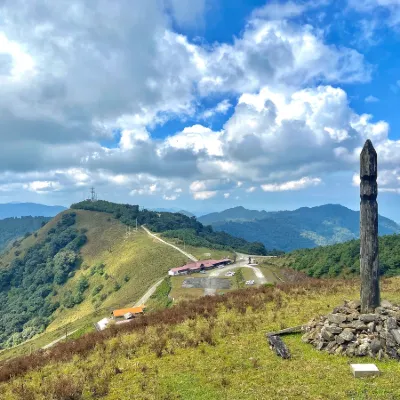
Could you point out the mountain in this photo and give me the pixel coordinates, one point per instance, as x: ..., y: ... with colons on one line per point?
x: 173, y: 210
x: 13, y: 228
x: 9, y: 210
x: 289, y: 230
x: 238, y: 214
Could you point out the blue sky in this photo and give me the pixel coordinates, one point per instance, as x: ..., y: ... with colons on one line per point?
x: 203, y: 105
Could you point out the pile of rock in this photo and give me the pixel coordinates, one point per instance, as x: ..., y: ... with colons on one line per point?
x: 347, y: 331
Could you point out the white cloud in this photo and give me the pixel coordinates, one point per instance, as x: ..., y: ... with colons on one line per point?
x: 226, y: 195
x: 291, y: 185
x: 251, y: 189
x: 204, y: 195
x: 220, y: 108
x: 371, y: 99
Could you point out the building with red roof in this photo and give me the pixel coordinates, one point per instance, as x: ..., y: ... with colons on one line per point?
x: 198, y: 266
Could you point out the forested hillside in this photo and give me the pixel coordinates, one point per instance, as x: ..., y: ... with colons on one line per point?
x: 174, y: 225
x: 344, y: 259
x: 26, y: 284
x: 13, y: 228
x: 290, y: 230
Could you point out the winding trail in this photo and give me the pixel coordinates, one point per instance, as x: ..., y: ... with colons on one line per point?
x: 147, y: 295
x: 58, y: 340
x: 188, y: 255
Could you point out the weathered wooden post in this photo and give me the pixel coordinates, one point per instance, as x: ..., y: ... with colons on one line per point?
x: 369, y: 261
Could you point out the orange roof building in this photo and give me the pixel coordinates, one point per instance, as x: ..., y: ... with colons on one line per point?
x: 123, y: 311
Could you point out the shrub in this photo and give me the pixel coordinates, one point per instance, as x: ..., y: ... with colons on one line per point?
x: 97, y: 289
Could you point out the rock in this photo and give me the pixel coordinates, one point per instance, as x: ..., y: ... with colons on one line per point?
x: 363, y: 349
x: 380, y: 310
x: 352, y: 317
x: 350, y: 351
x: 360, y: 326
x: 320, y: 345
x: 371, y: 326
x: 336, y: 318
x: 339, y: 339
x: 396, y: 334
x: 334, y: 329
x: 368, y: 317
x: 380, y: 355
x: 391, y: 323
x: 353, y: 304
x: 339, y: 350
x: 330, y: 348
x: 347, y: 335
x: 325, y: 334
x: 375, y: 346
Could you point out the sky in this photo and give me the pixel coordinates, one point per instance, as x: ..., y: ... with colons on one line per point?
x: 199, y: 105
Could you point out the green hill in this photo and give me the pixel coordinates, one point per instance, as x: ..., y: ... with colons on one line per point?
x: 78, y: 267
x: 289, y: 230
x: 343, y: 259
x: 211, y: 348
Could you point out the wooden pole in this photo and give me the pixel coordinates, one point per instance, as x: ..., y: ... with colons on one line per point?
x: 369, y: 260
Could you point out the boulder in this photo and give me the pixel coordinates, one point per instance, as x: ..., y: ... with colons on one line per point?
x: 375, y: 346
x: 396, y: 334
x: 326, y: 335
x: 363, y: 349
x: 353, y: 304
x: 336, y: 318
x: 391, y: 323
x: 368, y: 317
x: 334, y: 329
x: 347, y: 335
x: 358, y: 325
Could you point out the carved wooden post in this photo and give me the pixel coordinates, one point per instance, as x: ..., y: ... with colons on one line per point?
x: 369, y: 262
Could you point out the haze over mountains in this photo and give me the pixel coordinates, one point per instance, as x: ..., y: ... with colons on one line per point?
x: 9, y: 210
x: 289, y: 230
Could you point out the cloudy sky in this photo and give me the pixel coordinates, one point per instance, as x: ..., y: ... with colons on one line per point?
x: 200, y: 104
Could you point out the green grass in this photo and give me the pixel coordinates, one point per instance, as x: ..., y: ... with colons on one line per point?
x: 231, y: 359
x: 160, y: 299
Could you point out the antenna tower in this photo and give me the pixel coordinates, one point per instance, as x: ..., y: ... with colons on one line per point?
x: 93, y: 194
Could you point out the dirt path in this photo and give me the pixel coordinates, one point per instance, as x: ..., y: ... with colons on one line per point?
x: 188, y: 255
x: 147, y: 295
x: 58, y: 340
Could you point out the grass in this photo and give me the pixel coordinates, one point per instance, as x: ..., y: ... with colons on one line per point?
x: 160, y: 299
x: 213, y: 348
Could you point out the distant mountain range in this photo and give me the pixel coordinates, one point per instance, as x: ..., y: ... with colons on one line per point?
x: 289, y: 230
x: 173, y: 210
x: 9, y: 210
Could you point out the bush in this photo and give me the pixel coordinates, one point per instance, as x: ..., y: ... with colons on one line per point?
x: 97, y: 290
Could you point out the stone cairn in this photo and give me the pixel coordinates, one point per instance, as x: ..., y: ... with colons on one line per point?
x: 349, y: 332
x: 366, y: 327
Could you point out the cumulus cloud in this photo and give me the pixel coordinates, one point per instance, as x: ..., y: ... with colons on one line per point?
x: 291, y: 185
x: 371, y: 99
x: 75, y: 78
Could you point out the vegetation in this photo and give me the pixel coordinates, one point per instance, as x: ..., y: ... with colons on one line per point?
x: 160, y: 299
x: 13, y: 228
x: 28, y: 283
x: 174, y: 225
x: 344, y: 259
x: 290, y: 230
x: 210, y: 348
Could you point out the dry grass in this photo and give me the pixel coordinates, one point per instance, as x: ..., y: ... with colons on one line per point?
x: 210, y: 348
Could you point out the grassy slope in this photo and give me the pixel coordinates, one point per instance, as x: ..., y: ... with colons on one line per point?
x: 232, y: 360
x: 143, y: 259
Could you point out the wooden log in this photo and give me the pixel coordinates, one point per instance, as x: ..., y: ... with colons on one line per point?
x: 294, y: 329
x: 369, y: 262
x: 278, y: 346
